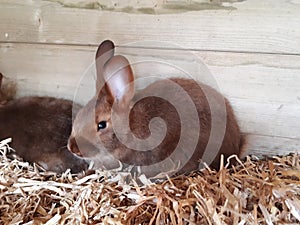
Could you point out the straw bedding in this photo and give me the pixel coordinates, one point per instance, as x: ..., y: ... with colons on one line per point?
x: 253, y: 192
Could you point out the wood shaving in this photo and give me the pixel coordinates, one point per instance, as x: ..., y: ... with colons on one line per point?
x: 252, y: 192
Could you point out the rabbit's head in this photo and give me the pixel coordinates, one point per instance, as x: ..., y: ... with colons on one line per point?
x: 92, y: 132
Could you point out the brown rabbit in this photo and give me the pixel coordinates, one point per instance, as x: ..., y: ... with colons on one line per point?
x: 39, y: 128
x: 195, y: 121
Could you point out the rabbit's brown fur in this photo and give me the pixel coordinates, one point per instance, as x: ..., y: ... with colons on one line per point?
x: 104, y: 147
x: 39, y: 128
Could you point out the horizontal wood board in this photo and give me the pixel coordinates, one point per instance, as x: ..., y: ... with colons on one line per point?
x: 250, y: 51
x: 246, y: 26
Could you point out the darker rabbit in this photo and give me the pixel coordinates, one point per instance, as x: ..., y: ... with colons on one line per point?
x: 39, y: 128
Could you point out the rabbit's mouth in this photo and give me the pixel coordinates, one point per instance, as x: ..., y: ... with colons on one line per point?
x: 82, y: 147
x: 73, y: 146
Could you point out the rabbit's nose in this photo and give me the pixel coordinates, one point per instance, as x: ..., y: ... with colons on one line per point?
x: 73, y: 147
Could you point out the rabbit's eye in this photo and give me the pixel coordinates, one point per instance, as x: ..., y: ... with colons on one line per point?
x: 102, y: 125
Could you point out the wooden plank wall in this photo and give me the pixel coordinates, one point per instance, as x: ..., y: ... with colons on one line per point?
x: 252, y: 49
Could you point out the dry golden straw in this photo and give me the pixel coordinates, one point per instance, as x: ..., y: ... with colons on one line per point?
x: 254, y: 192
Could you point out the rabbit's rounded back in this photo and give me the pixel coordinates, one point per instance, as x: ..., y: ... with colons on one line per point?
x: 231, y: 140
x: 104, y: 129
x: 39, y: 128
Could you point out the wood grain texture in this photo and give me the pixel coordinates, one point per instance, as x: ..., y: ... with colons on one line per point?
x: 263, y: 88
x: 248, y: 26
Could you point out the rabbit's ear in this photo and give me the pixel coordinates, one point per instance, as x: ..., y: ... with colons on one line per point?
x: 119, y: 80
x: 104, y: 53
